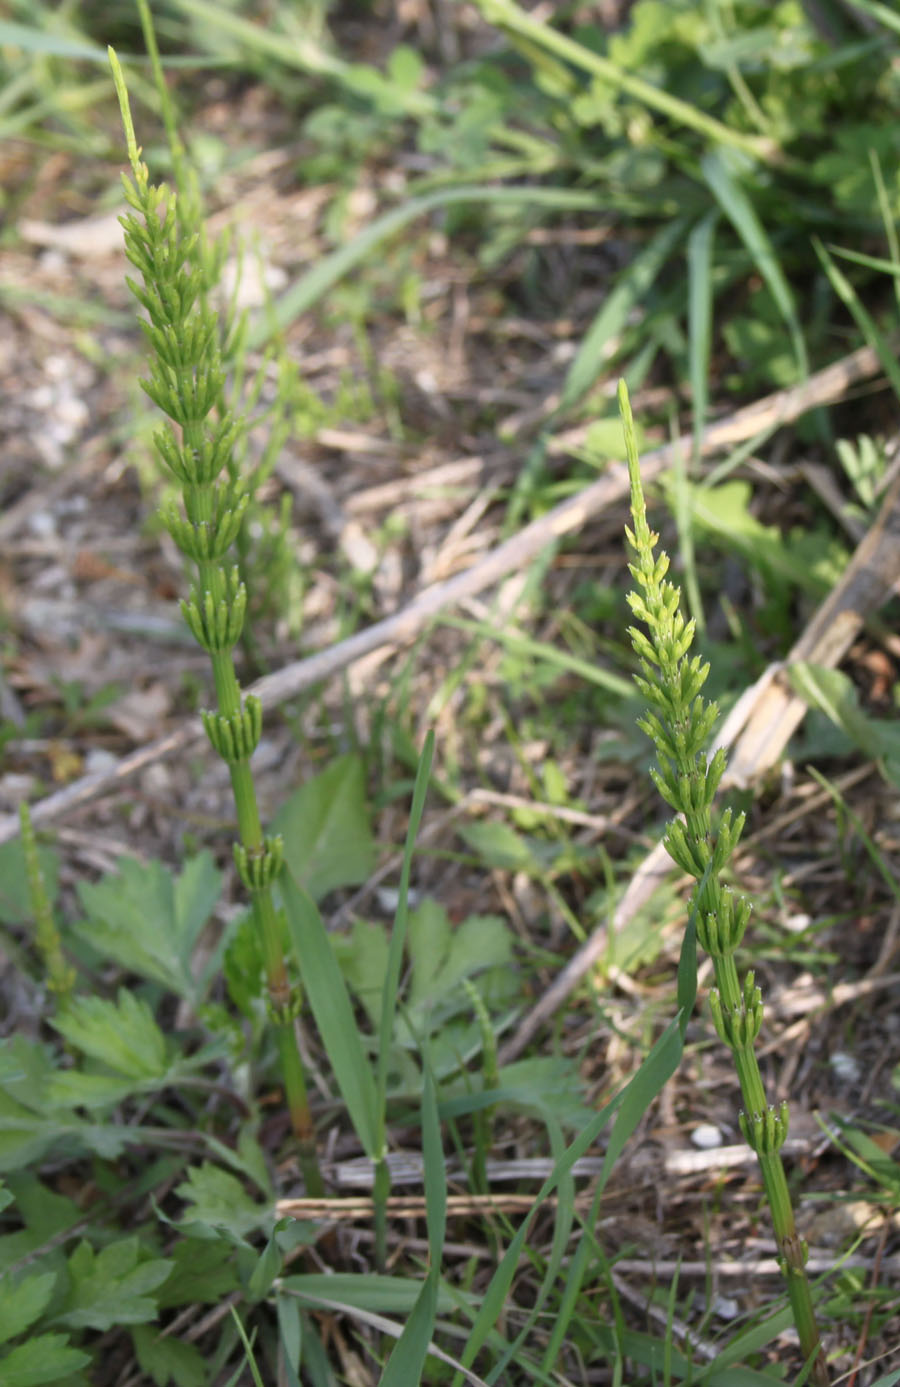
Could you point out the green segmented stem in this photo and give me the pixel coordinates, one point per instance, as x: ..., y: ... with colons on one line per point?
x: 164, y: 241
x: 679, y: 723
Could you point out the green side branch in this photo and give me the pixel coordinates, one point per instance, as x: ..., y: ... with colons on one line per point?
x: 165, y: 242
x: 679, y: 722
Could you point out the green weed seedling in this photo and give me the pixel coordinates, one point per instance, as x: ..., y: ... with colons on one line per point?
x: 680, y: 723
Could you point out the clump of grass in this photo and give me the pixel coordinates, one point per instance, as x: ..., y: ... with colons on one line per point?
x: 186, y: 381
x: 679, y: 724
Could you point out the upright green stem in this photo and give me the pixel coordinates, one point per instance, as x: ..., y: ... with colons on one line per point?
x: 679, y: 724
x: 165, y: 243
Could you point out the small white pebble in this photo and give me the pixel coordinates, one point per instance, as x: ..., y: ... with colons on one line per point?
x: 706, y: 1136
x: 725, y: 1308
x: 42, y: 523
x: 388, y: 898
x: 845, y: 1067
x: 99, y: 760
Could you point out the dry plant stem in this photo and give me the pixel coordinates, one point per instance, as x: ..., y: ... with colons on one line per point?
x: 165, y: 243
x: 679, y: 723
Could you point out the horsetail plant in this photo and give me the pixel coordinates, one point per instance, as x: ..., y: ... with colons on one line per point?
x: 60, y: 975
x: 163, y: 234
x: 679, y: 724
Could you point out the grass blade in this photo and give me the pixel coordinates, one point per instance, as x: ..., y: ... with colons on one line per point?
x: 861, y: 316
x: 30, y: 40
x: 630, y: 291
x: 700, y: 302
x: 657, y: 1068
x: 742, y: 215
x: 327, y: 271
x: 329, y: 1000
x: 398, y: 934
x: 408, y: 1358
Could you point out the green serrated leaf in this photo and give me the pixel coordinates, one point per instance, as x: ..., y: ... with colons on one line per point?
x: 203, y: 1273
x: 122, y: 1034
x: 442, y: 956
x: 243, y: 964
x: 363, y: 956
x: 46, y: 1358
x: 70, y: 1088
x: 22, y: 1302
x: 218, y: 1199
x: 167, y: 1359
x: 500, y: 846
x: 112, y: 1287
x: 149, y: 921
x: 44, y: 1214
x: 326, y: 829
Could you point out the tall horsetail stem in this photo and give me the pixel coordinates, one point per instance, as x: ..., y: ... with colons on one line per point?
x: 679, y: 724
x: 165, y: 243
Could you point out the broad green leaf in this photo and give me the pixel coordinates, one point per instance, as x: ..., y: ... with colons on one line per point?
x: 45, y: 1358
x: 363, y: 957
x: 326, y: 829
x: 149, y: 921
x: 22, y: 1302
x: 111, y: 1287
x: 724, y: 514
x: 15, y: 899
x: 6, y: 1197
x: 217, y: 1199
x: 72, y: 1089
x: 500, y: 846
x: 550, y: 1085
x: 122, y: 1034
x: 835, y: 695
x: 203, y: 1273
x: 443, y: 955
x: 25, y: 1137
x: 327, y: 994
x: 243, y: 964
x: 166, y: 1359
x: 45, y: 1216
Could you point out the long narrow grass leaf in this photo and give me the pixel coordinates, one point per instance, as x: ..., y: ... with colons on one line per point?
x: 398, y: 934
x: 30, y: 40
x: 412, y: 1348
x: 741, y: 213
x: 656, y: 1070
x: 863, y: 319
x: 631, y: 289
x: 331, y: 268
x: 700, y: 302
x: 329, y: 999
